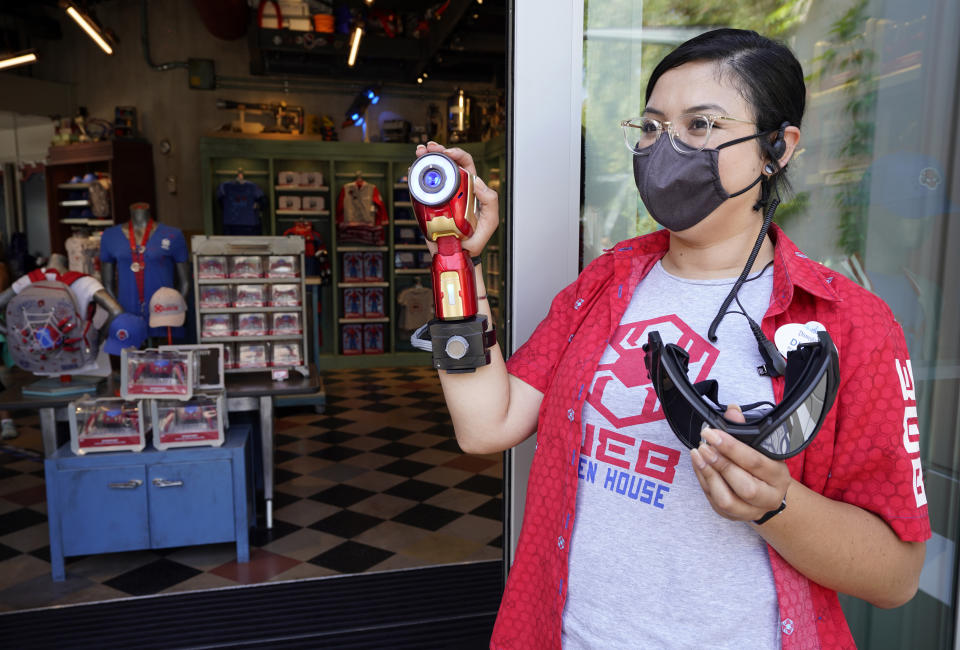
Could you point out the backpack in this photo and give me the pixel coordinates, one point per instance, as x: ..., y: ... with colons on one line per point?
x: 46, y: 333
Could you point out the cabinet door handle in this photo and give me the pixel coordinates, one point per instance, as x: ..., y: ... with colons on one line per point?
x: 132, y: 484
x: 164, y: 483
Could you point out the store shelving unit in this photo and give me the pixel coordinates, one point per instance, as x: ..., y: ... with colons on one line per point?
x: 204, y: 245
x: 384, y: 165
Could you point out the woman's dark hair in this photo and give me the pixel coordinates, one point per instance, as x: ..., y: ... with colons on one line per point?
x: 767, y: 73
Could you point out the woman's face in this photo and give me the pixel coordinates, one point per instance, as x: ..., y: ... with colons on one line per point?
x: 697, y: 87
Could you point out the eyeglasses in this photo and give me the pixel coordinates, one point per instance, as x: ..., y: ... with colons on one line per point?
x: 688, y: 133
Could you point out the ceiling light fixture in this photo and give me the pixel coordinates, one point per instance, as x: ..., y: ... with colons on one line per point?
x: 419, y: 80
x: 20, y: 58
x: 90, y: 26
x: 354, y: 45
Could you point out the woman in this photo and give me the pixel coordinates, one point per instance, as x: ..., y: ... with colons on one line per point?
x: 625, y: 543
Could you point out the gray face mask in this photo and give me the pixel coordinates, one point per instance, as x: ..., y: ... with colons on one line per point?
x: 680, y: 190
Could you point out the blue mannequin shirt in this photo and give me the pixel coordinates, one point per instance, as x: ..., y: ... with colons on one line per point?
x: 165, y: 248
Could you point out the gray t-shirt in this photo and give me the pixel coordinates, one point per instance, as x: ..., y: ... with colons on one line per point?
x: 651, y: 564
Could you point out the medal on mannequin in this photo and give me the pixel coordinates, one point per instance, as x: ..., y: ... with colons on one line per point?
x: 137, y: 254
x: 135, y: 267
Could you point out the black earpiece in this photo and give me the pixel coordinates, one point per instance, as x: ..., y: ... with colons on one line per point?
x: 779, y: 145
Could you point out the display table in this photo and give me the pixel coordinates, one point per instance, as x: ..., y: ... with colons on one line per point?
x: 246, y: 392
x: 125, y: 501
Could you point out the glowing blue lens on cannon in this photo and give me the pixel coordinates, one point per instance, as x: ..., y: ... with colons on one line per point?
x: 432, y: 179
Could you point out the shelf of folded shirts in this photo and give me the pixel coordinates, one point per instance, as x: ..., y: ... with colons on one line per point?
x: 402, y: 204
x: 245, y: 172
x: 273, y: 280
x: 74, y: 186
x: 247, y: 310
x: 75, y: 203
x: 410, y: 247
x: 361, y: 249
x: 347, y: 321
x: 405, y: 222
x: 78, y: 221
x: 411, y: 271
x: 244, y: 339
x: 300, y: 188
x: 348, y: 285
x: 302, y: 213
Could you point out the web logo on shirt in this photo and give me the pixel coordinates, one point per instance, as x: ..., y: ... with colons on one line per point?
x: 622, y: 392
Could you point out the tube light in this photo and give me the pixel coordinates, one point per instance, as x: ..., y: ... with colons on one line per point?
x: 91, y: 28
x: 354, y: 45
x: 20, y: 58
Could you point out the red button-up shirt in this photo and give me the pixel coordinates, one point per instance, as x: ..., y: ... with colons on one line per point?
x: 867, y: 452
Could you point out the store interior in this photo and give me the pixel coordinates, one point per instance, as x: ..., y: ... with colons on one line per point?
x: 246, y: 162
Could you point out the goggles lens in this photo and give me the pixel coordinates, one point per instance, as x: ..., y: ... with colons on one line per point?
x: 812, y: 379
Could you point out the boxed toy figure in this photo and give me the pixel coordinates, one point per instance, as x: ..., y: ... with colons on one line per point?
x: 246, y: 266
x: 208, y: 364
x: 250, y: 295
x: 311, y: 179
x: 288, y: 178
x: 352, y: 336
x: 211, y: 266
x: 373, y: 304
x: 373, y: 338
x: 197, y: 422
x: 404, y: 260
x: 254, y: 324
x: 285, y: 323
x: 214, y: 295
x: 285, y: 354
x: 283, y: 266
x: 353, y: 267
x: 285, y: 295
x: 251, y: 355
x: 373, y: 266
x: 156, y: 373
x: 216, y: 325
x: 353, y: 303
x: 108, y: 424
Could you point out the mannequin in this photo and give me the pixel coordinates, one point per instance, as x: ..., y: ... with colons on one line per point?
x: 139, y: 257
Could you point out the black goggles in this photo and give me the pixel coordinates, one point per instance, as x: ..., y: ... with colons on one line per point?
x: 778, y: 431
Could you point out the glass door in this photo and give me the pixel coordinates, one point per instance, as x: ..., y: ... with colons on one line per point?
x: 875, y: 187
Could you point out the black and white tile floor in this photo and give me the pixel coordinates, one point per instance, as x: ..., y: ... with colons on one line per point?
x: 376, y: 482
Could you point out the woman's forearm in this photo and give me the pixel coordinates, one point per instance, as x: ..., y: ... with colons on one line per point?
x: 844, y: 548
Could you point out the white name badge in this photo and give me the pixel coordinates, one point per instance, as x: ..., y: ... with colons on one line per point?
x: 789, y: 336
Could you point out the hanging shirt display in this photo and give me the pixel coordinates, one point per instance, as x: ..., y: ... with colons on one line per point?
x: 359, y: 203
x: 241, y: 203
x: 417, y: 303
x: 83, y: 253
x: 140, y: 274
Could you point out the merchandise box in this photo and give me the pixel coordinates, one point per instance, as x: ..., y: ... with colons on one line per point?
x: 313, y: 203
x: 253, y: 324
x: 407, y: 235
x: 246, y: 266
x: 211, y: 267
x: 284, y: 322
x: 250, y: 295
x: 194, y: 423
x: 288, y: 178
x: 373, y: 338
x: 156, y: 373
x: 372, y: 266
x: 251, y: 355
x: 285, y: 354
x: 285, y: 295
x: 311, y: 179
x: 229, y: 355
x: 353, y: 303
x: 219, y: 325
x: 209, y: 361
x: 213, y: 296
x: 352, y: 267
x: 404, y: 260
x: 373, y: 303
x: 289, y: 202
x: 283, y: 266
x: 352, y: 339
x: 106, y: 424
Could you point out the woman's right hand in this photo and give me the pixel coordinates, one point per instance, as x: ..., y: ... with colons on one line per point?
x: 488, y: 202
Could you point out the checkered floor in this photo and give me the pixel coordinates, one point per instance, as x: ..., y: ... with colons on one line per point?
x: 376, y: 482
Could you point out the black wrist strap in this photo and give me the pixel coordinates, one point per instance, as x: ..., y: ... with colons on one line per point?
x: 490, y: 337
x: 476, y: 260
x: 765, y: 518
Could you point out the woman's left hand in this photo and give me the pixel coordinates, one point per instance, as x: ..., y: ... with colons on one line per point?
x: 741, y: 483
